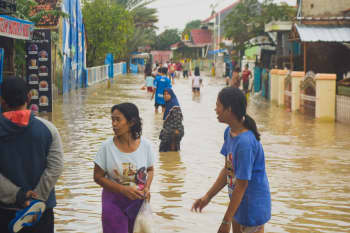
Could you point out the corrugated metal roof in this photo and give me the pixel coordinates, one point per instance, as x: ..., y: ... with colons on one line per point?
x: 309, y: 33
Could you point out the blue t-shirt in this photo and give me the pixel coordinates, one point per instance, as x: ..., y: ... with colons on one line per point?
x: 160, y: 83
x: 245, y: 160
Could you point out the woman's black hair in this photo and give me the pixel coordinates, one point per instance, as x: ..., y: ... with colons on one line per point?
x: 231, y: 97
x: 14, y: 91
x: 131, y: 113
x: 196, y: 71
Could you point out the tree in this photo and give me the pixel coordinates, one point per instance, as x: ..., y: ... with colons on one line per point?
x: 247, y: 20
x: 144, y: 19
x: 167, y: 38
x: 108, y: 27
x: 194, y: 24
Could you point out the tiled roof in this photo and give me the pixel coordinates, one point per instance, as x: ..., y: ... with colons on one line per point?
x: 175, y: 46
x: 221, y: 12
x: 46, y: 5
x: 201, y: 36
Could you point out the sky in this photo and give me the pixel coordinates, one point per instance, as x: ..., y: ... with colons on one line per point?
x: 176, y: 13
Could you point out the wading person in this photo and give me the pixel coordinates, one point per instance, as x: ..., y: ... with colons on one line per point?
x: 31, y: 161
x: 197, y: 82
x: 160, y: 83
x: 173, y: 129
x: 124, y: 169
x: 236, y: 80
x: 244, y: 172
x: 246, y: 75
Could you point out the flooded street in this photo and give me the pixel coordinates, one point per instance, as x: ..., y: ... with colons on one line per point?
x: 308, y: 162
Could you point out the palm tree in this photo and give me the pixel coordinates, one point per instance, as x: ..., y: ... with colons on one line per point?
x: 145, y: 19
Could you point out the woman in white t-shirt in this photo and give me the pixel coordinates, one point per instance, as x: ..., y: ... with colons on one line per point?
x: 196, y: 82
x: 124, y: 169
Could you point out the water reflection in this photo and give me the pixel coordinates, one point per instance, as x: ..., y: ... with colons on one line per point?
x: 172, y: 174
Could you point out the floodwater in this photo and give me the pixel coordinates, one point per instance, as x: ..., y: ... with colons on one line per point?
x: 308, y: 162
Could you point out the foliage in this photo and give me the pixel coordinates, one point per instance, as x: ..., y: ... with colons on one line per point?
x: 144, y: 19
x: 25, y: 8
x: 194, y: 24
x: 247, y: 20
x: 108, y: 27
x: 167, y: 38
x: 130, y: 4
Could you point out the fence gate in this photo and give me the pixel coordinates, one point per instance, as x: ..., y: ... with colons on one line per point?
x: 308, y: 94
x: 288, y: 92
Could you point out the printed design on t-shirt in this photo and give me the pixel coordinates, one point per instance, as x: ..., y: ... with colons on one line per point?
x: 128, y: 176
x: 131, y: 176
x: 141, y: 178
x: 231, y: 178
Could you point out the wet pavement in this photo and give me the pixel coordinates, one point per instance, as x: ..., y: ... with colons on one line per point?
x: 308, y: 162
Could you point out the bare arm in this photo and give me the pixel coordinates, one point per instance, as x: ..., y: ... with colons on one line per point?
x: 150, y: 173
x: 236, y: 198
x: 154, y: 91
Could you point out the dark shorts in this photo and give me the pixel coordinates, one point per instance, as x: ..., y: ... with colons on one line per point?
x: 196, y: 89
x: 245, y: 85
x: 150, y: 89
x: 185, y: 73
x: 157, y: 105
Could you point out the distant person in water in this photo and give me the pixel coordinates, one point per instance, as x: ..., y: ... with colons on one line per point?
x: 173, y: 129
x: 160, y: 83
x: 197, y: 82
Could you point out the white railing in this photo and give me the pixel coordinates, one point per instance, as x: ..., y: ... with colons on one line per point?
x: 100, y: 73
x: 97, y: 74
x: 118, y: 69
x: 343, y: 108
x: 308, y: 97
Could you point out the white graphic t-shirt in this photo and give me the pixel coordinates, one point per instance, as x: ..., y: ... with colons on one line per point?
x: 197, y: 82
x: 126, y: 168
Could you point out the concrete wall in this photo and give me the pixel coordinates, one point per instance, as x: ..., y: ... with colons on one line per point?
x: 324, y: 8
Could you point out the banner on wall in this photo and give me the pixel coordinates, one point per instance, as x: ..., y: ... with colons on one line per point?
x: 74, y: 75
x: 38, y: 67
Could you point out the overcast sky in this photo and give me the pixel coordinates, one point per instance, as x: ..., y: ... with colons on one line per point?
x: 176, y: 13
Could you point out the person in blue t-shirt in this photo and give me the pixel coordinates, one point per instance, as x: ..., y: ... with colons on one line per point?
x: 244, y: 172
x: 160, y: 83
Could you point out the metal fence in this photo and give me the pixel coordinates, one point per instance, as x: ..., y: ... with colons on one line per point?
x: 100, y: 73
x: 343, y: 108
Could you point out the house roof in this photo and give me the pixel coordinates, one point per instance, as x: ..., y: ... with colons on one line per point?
x: 326, y: 33
x: 221, y: 12
x: 46, y: 5
x: 201, y: 37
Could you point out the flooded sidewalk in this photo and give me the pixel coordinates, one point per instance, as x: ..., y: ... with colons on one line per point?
x: 308, y: 162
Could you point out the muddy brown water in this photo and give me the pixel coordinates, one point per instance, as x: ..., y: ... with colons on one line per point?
x: 308, y: 162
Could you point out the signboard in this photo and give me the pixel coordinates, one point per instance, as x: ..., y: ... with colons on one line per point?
x: 38, y: 66
x: 1, y: 68
x: 15, y: 28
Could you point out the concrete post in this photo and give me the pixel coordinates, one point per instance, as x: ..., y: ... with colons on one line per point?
x: 282, y: 76
x: 297, y: 76
x: 325, y: 96
x: 274, y: 85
